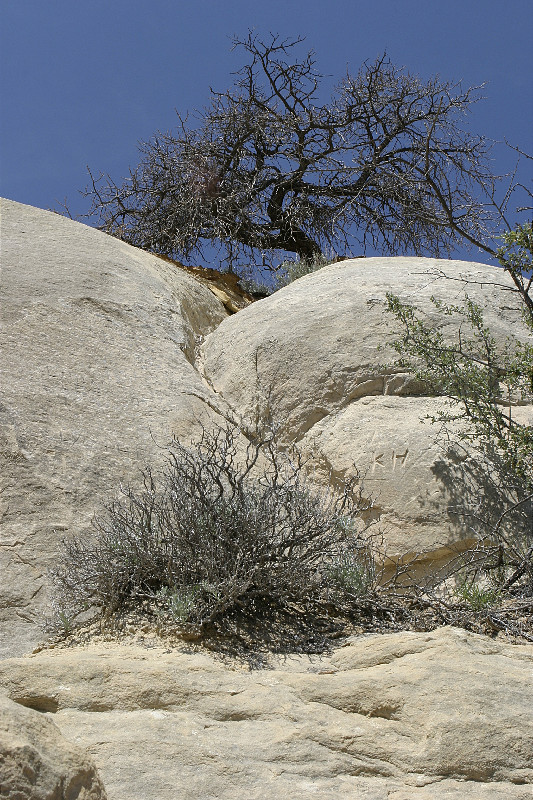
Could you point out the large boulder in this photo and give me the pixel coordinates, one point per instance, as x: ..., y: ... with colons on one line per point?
x: 101, y: 365
x: 316, y: 356
x: 97, y: 361
x: 38, y: 763
x: 409, y: 716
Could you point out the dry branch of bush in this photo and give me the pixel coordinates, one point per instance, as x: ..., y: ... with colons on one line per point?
x: 232, y: 545
x: 223, y: 536
x: 270, y: 167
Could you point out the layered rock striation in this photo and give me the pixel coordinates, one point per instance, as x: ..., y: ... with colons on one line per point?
x: 38, y: 763
x: 409, y: 716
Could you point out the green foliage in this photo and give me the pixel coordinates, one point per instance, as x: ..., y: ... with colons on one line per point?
x: 179, y: 605
x: 354, y: 572
x: 64, y: 621
x: 485, y: 381
x: 287, y: 272
x: 475, y: 595
x: 517, y: 259
x: 257, y: 289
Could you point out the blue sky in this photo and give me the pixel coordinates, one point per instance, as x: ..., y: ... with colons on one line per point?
x: 83, y: 82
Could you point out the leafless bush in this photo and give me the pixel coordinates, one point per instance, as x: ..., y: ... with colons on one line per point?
x: 233, y: 544
x: 270, y: 167
x: 219, y: 536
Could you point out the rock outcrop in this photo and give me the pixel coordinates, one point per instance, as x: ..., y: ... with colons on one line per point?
x: 97, y: 361
x: 37, y: 763
x: 409, y: 716
x: 101, y: 364
x: 316, y: 356
x: 103, y: 360
x: 224, y: 285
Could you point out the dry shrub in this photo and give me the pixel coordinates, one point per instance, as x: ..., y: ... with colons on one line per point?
x: 220, y: 536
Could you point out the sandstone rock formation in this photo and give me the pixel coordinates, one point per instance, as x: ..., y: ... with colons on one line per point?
x: 409, y: 716
x: 97, y: 358
x: 101, y: 364
x: 37, y: 763
x: 224, y: 285
x: 316, y: 356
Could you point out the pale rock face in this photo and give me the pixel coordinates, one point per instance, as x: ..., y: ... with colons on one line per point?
x: 97, y: 354
x: 99, y: 346
x: 316, y: 357
x: 37, y: 763
x: 409, y: 716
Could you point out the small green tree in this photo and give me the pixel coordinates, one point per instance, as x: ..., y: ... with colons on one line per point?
x: 486, y: 383
x: 516, y: 257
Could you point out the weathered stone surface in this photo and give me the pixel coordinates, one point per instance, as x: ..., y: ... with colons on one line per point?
x: 97, y: 363
x: 37, y: 763
x: 421, y: 486
x: 315, y: 356
x: 403, y: 715
x: 224, y: 285
x: 99, y: 346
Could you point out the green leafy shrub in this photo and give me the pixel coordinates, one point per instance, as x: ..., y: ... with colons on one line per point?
x: 485, y: 382
x: 219, y: 535
x: 258, y: 289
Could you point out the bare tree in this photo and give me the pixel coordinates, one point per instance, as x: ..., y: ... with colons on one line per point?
x: 385, y: 163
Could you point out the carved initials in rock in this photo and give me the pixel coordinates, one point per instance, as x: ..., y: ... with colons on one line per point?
x: 381, y: 460
x: 399, y: 458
